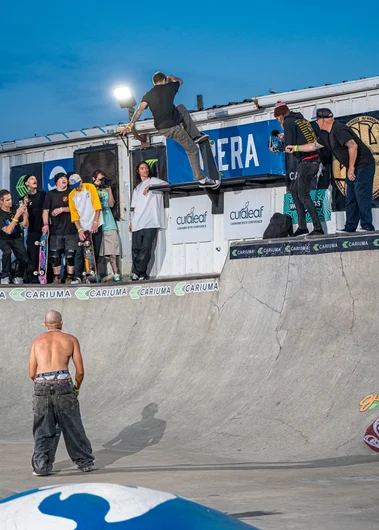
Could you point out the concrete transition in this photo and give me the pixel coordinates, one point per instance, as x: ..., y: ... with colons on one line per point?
x: 246, y: 398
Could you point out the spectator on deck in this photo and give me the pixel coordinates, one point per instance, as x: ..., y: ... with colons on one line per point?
x: 173, y: 122
x: 147, y: 219
x: 11, y: 237
x: 34, y: 200
x: 110, y: 244
x: 85, y: 210
x: 57, y: 221
x: 298, y: 130
x: 359, y: 162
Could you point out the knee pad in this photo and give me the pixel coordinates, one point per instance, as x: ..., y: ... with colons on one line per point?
x: 55, y: 257
x: 70, y: 258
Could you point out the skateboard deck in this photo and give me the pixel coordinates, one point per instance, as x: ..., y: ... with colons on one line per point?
x: 43, y: 244
x: 208, y: 160
x: 90, y: 270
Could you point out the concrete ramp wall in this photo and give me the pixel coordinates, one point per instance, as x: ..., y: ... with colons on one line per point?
x: 270, y: 367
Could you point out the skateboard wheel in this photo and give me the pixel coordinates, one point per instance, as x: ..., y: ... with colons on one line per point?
x: 36, y: 243
x: 42, y: 273
x: 43, y: 243
x: 35, y: 273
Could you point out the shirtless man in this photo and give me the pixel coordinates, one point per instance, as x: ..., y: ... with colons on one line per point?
x: 55, y: 401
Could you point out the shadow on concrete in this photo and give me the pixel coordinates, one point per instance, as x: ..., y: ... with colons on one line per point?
x: 146, y: 432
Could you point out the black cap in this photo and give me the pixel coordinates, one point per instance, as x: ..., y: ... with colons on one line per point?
x: 324, y: 113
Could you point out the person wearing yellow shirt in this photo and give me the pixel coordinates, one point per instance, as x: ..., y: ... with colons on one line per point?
x: 86, y: 214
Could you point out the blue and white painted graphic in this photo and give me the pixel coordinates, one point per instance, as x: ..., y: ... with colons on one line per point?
x: 239, y: 151
x: 108, y: 506
x: 52, y: 167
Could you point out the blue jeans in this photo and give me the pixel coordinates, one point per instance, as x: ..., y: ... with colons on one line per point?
x: 359, y: 199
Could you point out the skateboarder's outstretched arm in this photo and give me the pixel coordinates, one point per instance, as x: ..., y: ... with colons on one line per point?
x: 142, y: 106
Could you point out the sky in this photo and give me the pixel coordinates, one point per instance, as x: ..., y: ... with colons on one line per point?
x: 60, y: 61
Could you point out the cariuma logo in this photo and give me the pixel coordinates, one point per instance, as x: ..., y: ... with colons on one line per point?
x: 191, y: 218
x: 246, y: 213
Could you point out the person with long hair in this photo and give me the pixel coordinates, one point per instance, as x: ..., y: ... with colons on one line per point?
x: 147, y: 219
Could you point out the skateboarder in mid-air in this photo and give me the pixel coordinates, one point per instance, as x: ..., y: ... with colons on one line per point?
x: 173, y: 122
x: 56, y: 398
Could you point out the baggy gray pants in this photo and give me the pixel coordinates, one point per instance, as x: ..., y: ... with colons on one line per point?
x: 58, y: 405
x: 184, y: 135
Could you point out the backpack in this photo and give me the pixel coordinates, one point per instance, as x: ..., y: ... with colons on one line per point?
x: 280, y: 225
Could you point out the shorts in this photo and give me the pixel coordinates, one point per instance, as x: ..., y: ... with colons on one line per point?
x: 110, y: 243
x: 63, y: 242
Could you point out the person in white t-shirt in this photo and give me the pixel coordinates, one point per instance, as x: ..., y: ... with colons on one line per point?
x: 147, y: 219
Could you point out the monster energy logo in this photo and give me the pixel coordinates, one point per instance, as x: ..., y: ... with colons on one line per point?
x: 20, y: 186
x: 151, y: 162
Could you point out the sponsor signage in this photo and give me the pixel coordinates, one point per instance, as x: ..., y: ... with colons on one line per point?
x: 311, y: 246
x: 22, y: 294
x: 191, y: 219
x: 321, y: 199
x: 239, y: 151
x: 51, y: 168
x: 246, y: 213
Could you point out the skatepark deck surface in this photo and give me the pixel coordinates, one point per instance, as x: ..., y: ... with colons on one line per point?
x: 245, y: 398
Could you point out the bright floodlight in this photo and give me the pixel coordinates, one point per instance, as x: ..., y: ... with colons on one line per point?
x: 124, y: 97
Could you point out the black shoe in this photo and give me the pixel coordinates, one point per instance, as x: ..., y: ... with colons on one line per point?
x: 319, y: 232
x: 209, y: 183
x: 364, y: 230
x: 143, y: 277
x: 202, y: 138
x: 301, y: 232
x: 134, y: 277
x: 345, y: 231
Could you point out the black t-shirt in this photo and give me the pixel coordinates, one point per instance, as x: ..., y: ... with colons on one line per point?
x: 61, y: 224
x: 5, y: 220
x: 35, y: 206
x: 335, y: 141
x: 160, y: 100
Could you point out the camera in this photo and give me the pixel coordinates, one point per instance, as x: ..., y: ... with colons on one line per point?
x: 276, y: 142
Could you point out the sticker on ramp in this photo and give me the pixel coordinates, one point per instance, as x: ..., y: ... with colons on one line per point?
x: 369, y: 402
x: 183, y: 288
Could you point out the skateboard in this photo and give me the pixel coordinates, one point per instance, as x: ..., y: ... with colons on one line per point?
x: 43, y: 245
x: 90, y: 272
x: 209, y: 161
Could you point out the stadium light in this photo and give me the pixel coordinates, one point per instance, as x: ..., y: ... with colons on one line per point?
x: 124, y: 97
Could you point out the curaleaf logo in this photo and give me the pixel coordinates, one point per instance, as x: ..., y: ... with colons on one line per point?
x: 369, y: 402
x: 246, y: 213
x: 186, y: 221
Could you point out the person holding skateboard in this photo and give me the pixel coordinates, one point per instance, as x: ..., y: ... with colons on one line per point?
x: 147, y: 219
x: 85, y: 211
x: 57, y: 221
x: 34, y: 201
x: 55, y: 401
x: 173, y: 122
x: 11, y: 237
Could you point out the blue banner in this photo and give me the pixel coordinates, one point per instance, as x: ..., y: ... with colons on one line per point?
x: 240, y: 151
x: 51, y: 168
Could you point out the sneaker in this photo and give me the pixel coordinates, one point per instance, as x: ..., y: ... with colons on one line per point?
x: 69, y: 279
x: 76, y: 281
x: 44, y: 474
x: 361, y: 229
x: 86, y: 469
x: 142, y: 277
x: 202, y: 138
x: 319, y: 232
x: 116, y: 278
x: 5, y: 281
x: 301, y: 232
x: 209, y: 183
x: 56, y: 279
x: 344, y: 231
x: 18, y: 281
x: 134, y: 277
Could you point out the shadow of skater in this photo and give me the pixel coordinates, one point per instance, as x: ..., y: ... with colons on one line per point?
x: 132, y: 439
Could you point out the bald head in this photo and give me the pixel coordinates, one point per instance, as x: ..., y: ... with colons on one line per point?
x: 53, y: 319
